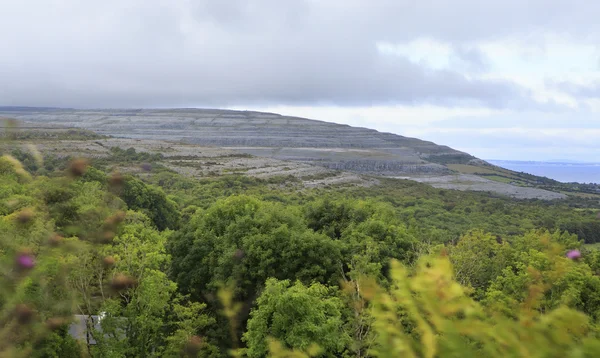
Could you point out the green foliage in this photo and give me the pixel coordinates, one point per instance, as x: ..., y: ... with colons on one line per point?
x: 138, y: 320
x: 193, y: 266
x: 36, y: 298
x: 244, y: 240
x: 588, y: 230
x: 447, y: 322
x: 130, y: 155
x: 478, y: 258
x: 57, y: 344
x: 49, y: 134
x: 461, y: 158
x: 152, y: 201
x: 93, y: 174
x: 33, y: 161
x: 332, y: 218
x: 365, y: 228
x: 299, y: 317
x: 540, y: 262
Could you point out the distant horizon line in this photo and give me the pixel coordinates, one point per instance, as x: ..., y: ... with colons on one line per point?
x: 550, y: 161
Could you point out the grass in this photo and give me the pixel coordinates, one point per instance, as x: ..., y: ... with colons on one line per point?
x: 470, y: 169
x: 502, y: 179
x: 474, y: 169
x: 493, y: 173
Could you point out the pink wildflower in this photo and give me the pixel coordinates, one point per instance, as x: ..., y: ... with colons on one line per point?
x: 25, y: 261
x: 574, y: 254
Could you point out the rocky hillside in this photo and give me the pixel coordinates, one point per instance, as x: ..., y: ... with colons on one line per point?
x: 206, y: 142
x: 270, y: 135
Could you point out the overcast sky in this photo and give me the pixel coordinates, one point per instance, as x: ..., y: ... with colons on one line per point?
x: 500, y: 79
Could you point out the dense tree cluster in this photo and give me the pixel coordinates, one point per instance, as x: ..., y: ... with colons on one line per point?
x: 170, y: 266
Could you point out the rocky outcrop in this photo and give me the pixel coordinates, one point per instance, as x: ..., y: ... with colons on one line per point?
x: 386, y: 167
x: 271, y: 135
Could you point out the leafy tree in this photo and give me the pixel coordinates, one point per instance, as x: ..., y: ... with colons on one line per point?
x: 240, y: 242
x: 363, y: 229
x: 297, y: 316
x: 563, y: 281
x: 58, y: 344
x: 332, y: 217
x: 93, y: 174
x: 131, y: 155
x: 137, y: 319
x: 152, y: 201
x: 478, y: 258
x: 246, y: 241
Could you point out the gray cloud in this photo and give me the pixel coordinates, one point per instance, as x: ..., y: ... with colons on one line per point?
x: 475, y: 60
x: 578, y: 90
x: 218, y: 53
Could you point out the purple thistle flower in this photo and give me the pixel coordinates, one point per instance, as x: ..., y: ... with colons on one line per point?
x: 25, y: 261
x: 574, y: 254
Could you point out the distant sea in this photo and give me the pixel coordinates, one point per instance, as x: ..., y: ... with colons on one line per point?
x: 564, y: 172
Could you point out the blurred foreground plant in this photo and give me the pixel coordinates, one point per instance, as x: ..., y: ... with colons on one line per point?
x: 428, y: 314
x: 36, y: 298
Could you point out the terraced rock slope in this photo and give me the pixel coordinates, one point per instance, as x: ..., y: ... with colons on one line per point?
x: 330, y: 145
x: 280, y: 138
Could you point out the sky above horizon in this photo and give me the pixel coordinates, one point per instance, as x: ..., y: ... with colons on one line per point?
x: 507, y: 79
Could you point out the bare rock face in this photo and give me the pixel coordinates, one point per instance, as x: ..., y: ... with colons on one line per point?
x: 270, y: 135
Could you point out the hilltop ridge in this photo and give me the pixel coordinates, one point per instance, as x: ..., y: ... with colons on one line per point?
x: 334, y: 146
x: 281, y: 139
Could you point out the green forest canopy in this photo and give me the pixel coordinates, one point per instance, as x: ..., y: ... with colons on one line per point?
x: 237, y: 266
